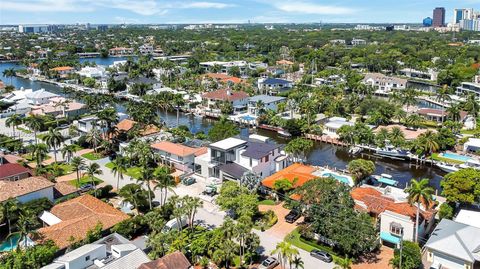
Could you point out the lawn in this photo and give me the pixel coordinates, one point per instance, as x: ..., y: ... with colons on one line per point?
x: 134, y: 171
x: 266, y: 202
x: 24, y: 130
x: 63, y: 168
x: 85, y: 180
x: 92, y: 156
x: 469, y: 132
x: 295, y: 239
x: 436, y: 157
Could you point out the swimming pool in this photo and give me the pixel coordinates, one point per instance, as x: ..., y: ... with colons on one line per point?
x: 248, y: 118
x: 456, y: 157
x: 10, y: 243
x: 344, y: 179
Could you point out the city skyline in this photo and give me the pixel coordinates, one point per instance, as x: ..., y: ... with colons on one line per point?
x: 221, y: 11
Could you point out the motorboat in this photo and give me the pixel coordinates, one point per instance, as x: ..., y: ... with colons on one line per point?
x: 284, y: 133
x: 446, y: 167
x: 471, y: 164
x: 354, y: 150
x: 385, y: 179
x: 391, y: 151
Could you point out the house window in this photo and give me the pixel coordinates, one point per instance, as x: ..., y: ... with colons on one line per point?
x: 266, y: 158
x: 180, y: 158
x: 396, y: 229
x: 87, y: 258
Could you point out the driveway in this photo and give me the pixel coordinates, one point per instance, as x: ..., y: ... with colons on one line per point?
x: 281, y: 228
x: 379, y: 260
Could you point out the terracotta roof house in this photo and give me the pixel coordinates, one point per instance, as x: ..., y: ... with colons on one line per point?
x: 438, y: 115
x: 223, y: 78
x: 284, y: 62
x: 77, y: 217
x: 63, y: 70
x: 391, y: 209
x: 127, y: 125
x: 26, y: 189
x: 238, y: 99
x: 175, y: 260
x: 296, y: 173
x: 182, y: 157
x: 409, y: 133
x: 13, y: 171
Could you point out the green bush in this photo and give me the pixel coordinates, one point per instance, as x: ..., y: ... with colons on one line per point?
x: 445, y: 211
x: 130, y: 228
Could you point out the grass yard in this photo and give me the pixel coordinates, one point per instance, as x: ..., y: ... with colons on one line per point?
x: 85, y: 180
x: 92, y: 156
x: 63, y: 169
x: 24, y: 130
x: 295, y: 239
x: 436, y: 157
x: 134, y: 171
x: 267, y: 202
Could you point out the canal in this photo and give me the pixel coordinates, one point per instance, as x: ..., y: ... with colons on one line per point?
x: 323, y: 154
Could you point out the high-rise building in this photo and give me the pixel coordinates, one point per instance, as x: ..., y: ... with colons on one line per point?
x: 462, y: 14
x: 427, y: 22
x: 439, y: 17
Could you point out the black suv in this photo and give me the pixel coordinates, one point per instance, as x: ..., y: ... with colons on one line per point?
x: 321, y: 255
x: 292, y: 216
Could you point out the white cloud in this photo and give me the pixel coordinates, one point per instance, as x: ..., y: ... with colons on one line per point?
x: 44, y: 6
x: 207, y: 5
x: 311, y: 8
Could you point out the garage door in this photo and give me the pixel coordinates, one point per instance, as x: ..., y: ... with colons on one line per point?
x: 447, y: 261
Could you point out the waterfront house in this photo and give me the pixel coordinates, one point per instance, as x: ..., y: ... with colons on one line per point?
x: 384, y: 84
x: 438, y: 115
x: 224, y: 67
x: 60, y: 107
x: 220, y: 78
x: 231, y: 158
x: 453, y: 245
x: 297, y: 173
x: 86, y: 124
x: 75, y: 217
x: 180, y: 156
x: 333, y: 124
x: 63, y: 71
x: 146, y: 49
x: 410, y: 134
x: 274, y: 86
x: 39, y: 97
x: 466, y: 88
x: 430, y: 74
x: 215, y: 99
x: 394, y: 215
x: 120, y: 51
x: 112, y: 251
x: 268, y: 103
x: 92, y: 71
x: 175, y: 260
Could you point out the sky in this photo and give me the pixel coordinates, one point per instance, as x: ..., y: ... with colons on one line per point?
x: 223, y: 11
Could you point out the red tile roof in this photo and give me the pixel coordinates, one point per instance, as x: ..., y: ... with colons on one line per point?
x: 175, y: 260
x: 376, y: 203
x: 13, y: 189
x: 296, y: 172
x: 62, y: 68
x: 177, y: 149
x: 225, y: 95
x: 12, y: 169
x: 78, y: 216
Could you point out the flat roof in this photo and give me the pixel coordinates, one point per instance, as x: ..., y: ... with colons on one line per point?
x: 228, y: 143
x: 469, y: 217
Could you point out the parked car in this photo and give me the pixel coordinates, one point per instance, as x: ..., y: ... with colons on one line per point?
x: 173, y: 224
x: 321, y: 255
x: 188, y: 181
x: 269, y: 263
x: 292, y: 216
x: 112, y: 156
x: 86, y: 187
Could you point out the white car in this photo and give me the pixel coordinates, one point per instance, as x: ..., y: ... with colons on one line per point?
x: 269, y: 263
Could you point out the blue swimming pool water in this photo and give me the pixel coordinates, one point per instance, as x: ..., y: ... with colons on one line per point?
x: 10, y: 243
x: 248, y: 118
x: 338, y: 177
x: 456, y: 157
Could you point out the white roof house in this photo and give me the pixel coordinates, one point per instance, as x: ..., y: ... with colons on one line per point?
x: 468, y: 217
x: 473, y: 144
x: 228, y: 143
x: 92, y: 72
x: 40, y: 97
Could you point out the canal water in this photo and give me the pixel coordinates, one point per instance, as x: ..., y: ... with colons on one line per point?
x: 323, y: 154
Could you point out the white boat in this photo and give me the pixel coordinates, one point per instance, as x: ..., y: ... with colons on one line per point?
x: 391, y: 152
x: 471, y: 164
x: 284, y: 133
x: 354, y: 150
x: 32, y: 78
x: 386, y: 179
x: 446, y: 167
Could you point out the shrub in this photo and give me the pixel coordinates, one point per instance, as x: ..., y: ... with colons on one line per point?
x: 130, y: 228
x: 446, y: 211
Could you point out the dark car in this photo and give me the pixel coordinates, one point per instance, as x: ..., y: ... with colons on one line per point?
x: 112, y: 156
x: 269, y: 263
x: 292, y: 216
x: 188, y: 181
x: 86, y: 187
x: 321, y: 255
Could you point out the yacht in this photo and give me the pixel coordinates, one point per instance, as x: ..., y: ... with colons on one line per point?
x: 354, y: 150
x: 391, y: 152
x: 471, y: 164
x: 446, y: 167
x: 385, y: 179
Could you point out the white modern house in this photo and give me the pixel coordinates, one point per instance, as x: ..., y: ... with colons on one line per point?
x: 224, y: 67
x: 469, y: 87
x: 92, y: 72
x: 112, y: 251
x: 453, y: 245
x: 268, y: 103
x: 274, y: 86
x: 384, y: 84
x: 430, y: 74
x: 40, y: 97
x: 231, y: 158
x: 333, y: 124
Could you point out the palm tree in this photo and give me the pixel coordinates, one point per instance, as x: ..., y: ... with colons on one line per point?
x: 414, y: 120
x: 92, y: 170
x: 409, y: 97
x: 34, y: 123
x: 119, y: 168
x: 25, y: 225
x: 397, y: 136
x: 39, y: 153
x: 419, y: 192
x: 10, y: 207
x: 68, y: 151
x: 429, y: 141
x: 146, y: 177
x: 297, y: 263
x: 443, y: 94
x: 191, y: 206
x: 94, y: 138
x: 78, y: 164
x: 9, y: 73
x: 178, y: 102
x: 109, y: 117
x: 53, y: 139
x: 14, y: 120
x: 285, y: 252
x: 343, y: 263
x: 454, y: 112
x: 163, y: 181
x: 471, y: 104
x: 259, y: 107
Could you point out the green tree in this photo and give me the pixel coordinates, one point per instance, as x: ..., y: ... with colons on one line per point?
x: 119, y: 168
x: 54, y: 139
x: 411, y: 257
x: 146, y: 178
x: 446, y: 211
x: 419, y: 193
x: 163, y: 181
x: 343, y: 263
x: 462, y: 186
x: 299, y: 147
x: 34, y: 123
x: 94, y: 138
x: 39, y: 153
x: 78, y: 164
x: 91, y: 171
x: 222, y: 129
x: 25, y: 224
x: 68, y: 151
x: 9, y: 73
x: 361, y: 169
x: 285, y: 252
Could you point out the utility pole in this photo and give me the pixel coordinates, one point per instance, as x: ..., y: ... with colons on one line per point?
x: 401, y: 248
